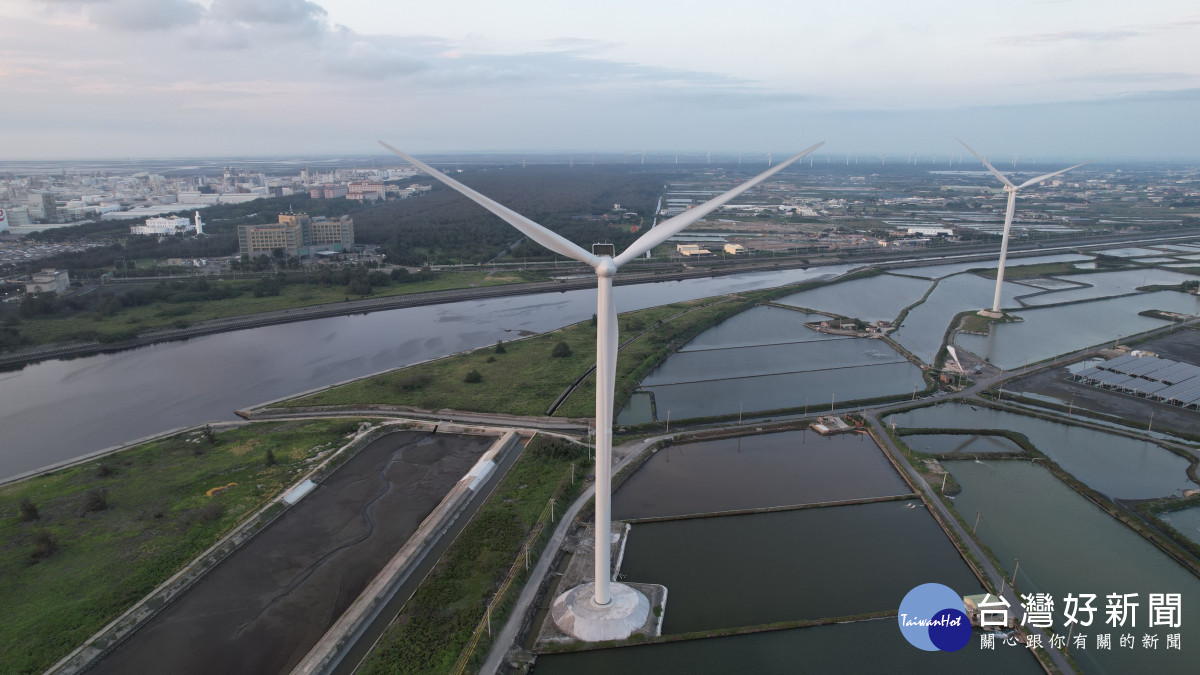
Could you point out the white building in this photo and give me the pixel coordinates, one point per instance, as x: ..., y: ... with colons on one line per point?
x: 930, y: 231
x: 47, y: 281
x: 162, y: 226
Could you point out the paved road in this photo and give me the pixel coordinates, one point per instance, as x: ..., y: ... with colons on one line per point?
x: 624, y: 454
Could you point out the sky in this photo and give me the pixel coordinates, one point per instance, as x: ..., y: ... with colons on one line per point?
x: 1068, y: 79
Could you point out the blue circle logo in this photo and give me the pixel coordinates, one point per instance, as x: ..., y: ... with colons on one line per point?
x: 931, y: 618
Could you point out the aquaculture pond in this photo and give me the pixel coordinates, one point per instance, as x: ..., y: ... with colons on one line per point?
x: 945, y: 270
x: 766, y: 359
x: 1186, y: 521
x: 1066, y: 544
x: 795, y: 467
x: 924, y: 328
x: 1117, y: 466
x: 878, y: 298
x: 862, y: 647
x: 1108, y: 284
x: 744, y: 570
x: 966, y: 444
x: 1049, y: 331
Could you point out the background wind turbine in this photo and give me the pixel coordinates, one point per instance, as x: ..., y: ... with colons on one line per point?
x: 606, y: 265
x: 1011, y: 189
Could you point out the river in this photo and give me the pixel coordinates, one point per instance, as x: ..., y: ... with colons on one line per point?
x: 58, y: 410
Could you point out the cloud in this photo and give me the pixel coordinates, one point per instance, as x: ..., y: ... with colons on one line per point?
x: 135, y: 15
x: 1098, y: 36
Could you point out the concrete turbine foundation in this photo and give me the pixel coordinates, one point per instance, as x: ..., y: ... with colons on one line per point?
x: 577, y: 614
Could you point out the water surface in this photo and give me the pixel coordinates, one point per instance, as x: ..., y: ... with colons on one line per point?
x: 1050, y: 331
x: 1117, y: 466
x: 863, y: 647
x: 878, y: 298
x: 834, y: 561
x: 795, y: 467
x: 1066, y: 544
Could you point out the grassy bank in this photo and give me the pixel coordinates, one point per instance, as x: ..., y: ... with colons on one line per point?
x: 525, y: 377
x: 82, y: 544
x: 436, y: 624
x: 127, y: 322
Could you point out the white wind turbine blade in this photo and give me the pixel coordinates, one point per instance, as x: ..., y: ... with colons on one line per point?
x: 1034, y: 181
x: 527, y: 227
x: 670, y: 228
x: 991, y: 168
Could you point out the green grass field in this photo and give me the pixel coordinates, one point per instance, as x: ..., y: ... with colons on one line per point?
x: 526, y: 378
x: 76, y: 566
x: 131, y: 320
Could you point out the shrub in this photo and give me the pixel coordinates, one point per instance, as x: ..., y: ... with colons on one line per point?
x: 96, y: 500
x: 29, y: 510
x: 44, y: 545
x: 561, y: 350
x: 103, y: 470
x: 271, y: 457
x: 209, y: 435
x: 500, y: 349
x: 490, y: 359
x: 472, y: 377
x: 412, y: 382
x: 210, y: 512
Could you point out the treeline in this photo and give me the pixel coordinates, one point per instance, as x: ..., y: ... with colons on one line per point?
x: 439, y: 227
x: 445, y: 227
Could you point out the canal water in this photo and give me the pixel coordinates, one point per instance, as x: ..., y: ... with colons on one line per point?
x: 878, y: 298
x: 783, y: 469
x: 1049, y: 331
x: 863, y: 647
x: 1068, y: 545
x: 730, y: 571
x: 1120, y: 467
x: 60, y: 409
x: 964, y: 443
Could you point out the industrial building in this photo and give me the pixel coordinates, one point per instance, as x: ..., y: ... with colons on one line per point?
x: 1157, y: 379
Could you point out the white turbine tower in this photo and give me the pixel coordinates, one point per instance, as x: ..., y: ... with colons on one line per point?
x: 612, y: 607
x: 1011, y: 189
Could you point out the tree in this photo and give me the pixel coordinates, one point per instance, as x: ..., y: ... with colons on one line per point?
x: 209, y: 435
x: 561, y: 350
x: 271, y: 457
x: 500, y: 349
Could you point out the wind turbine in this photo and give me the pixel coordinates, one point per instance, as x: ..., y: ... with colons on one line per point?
x: 602, y: 258
x: 1011, y: 189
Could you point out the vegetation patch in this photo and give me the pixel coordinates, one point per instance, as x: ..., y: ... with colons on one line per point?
x: 84, y: 543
